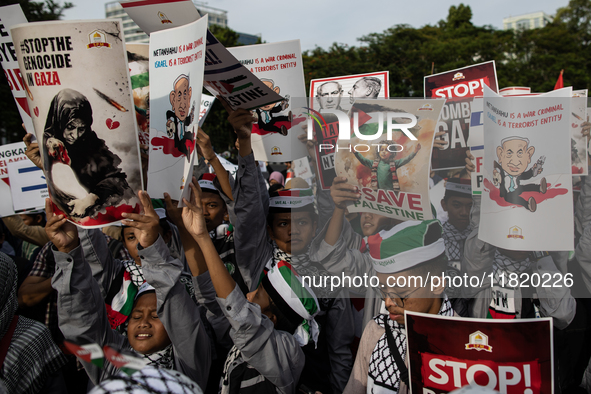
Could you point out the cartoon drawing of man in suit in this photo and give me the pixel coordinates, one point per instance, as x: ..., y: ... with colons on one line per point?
x: 179, y: 119
x: 514, y: 156
x: 267, y: 119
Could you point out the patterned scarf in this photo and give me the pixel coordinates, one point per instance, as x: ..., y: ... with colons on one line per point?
x: 374, y: 174
x: 504, y: 263
x: 135, y: 271
x: 148, y: 380
x: 454, y: 241
x: 383, y: 370
x: 32, y: 356
x: 161, y: 359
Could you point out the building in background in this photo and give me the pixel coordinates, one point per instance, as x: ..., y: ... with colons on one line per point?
x: 133, y: 34
x: 527, y: 21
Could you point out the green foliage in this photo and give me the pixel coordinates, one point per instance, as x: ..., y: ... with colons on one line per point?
x: 10, y: 121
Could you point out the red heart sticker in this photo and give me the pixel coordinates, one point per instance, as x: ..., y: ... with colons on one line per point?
x: 36, y: 111
x: 112, y: 124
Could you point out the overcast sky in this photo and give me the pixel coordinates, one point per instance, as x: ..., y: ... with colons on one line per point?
x: 321, y: 23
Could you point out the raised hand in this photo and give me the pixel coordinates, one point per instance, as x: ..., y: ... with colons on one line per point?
x: 193, y: 212
x: 240, y: 119
x: 147, y: 225
x: 62, y: 233
x: 343, y: 192
x: 32, y: 151
x: 438, y: 142
x: 204, y: 147
x: 470, y: 166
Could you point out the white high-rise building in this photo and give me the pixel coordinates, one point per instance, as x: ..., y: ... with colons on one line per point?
x: 527, y: 21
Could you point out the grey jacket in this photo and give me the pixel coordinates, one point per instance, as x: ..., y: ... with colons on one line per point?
x: 82, y: 314
x: 343, y: 259
x: 254, y: 250
x: 556, y: 302
x: 582, y: 224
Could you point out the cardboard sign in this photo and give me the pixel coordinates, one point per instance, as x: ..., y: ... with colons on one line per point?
x: 327, y: 94
x: 158, y: 15
x: 83, y: 115
x: 12, y: 15
x: 9, y: 153
x: 509, y: 356
x: 27, y: 186
x: 388, y: 156
x: 176, y: 81
x: 460, y: 87
x: 527, y: 199
x: 279, y: 65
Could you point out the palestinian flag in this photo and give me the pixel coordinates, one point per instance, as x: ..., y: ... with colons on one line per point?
x: 127, y: 364
x: 91, y: 353
x: 119, y: 301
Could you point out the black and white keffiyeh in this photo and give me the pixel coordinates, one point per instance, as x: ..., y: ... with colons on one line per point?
x: 383, y: 370
x: 161, y: 359
x: 503, y: 263
x: 149, y: 380
x: 32, y: 356
x: 135, y: 271
x: 454, y: 240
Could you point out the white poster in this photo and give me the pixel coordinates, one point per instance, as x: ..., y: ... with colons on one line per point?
x: 527, y: 199
x: 27, y: 185
x: 9, y: 153
x: 279, y: 66
x: 160, y: 14
x: 11, y: 15
x: 83, y: 115
x: 301, y: 168
x: 176, y: 81
x: 206, y: 104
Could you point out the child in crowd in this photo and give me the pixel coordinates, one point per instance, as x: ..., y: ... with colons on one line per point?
x: 268, y: 325
x: 411, y: 249
x: 280, y: 229
x: 165, y: 326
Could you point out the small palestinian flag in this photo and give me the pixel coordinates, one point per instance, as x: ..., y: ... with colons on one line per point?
x: 119, y: 303
x: 294, y: 299
x: 206, y: 183
x: 291, y: 199
x: 91, y: 353
x: 127, y: 364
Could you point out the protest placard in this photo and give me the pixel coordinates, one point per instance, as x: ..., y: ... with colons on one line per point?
x: 459, y: 87
x: 327, y: 94
x: 176, y: 80
x: 509, y: 356
x: 279, y: 66
x: 12, y: 15
x: 156, y: 15
x: 27, y: 185
x: 205, y: 107
x: 9, y: 153
x: 527, y: 199
x: 301, y: 168
x: 138, y: 56
x: 83, y: 116
x: 391, y: 170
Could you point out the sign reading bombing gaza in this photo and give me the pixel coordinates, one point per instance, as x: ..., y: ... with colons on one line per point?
x: 459, y: 86
x: 383, y: 148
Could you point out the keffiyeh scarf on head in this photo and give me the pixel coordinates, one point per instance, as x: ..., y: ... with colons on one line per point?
x: 383, y: 370
x: 32, y: 356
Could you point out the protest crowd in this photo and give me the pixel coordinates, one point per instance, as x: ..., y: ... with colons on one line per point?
x: 250, y: 281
